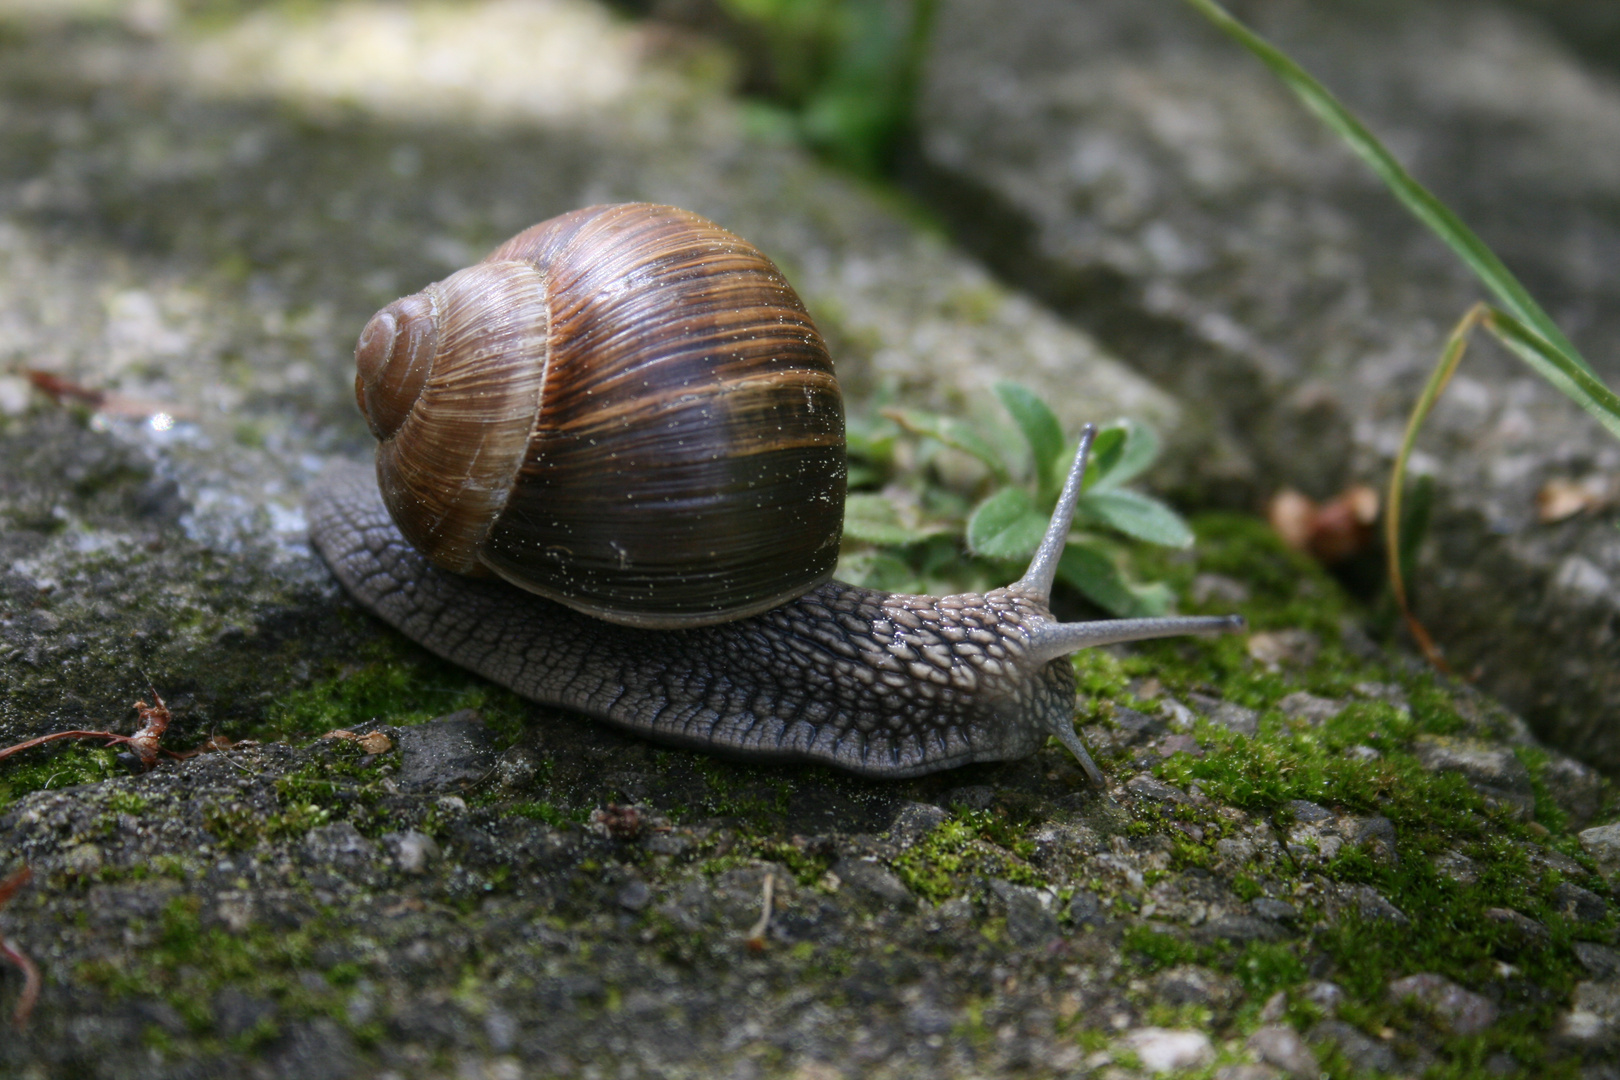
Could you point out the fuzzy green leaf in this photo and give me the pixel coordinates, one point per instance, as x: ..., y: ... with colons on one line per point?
x: 1137, y: 515
x: 1138, y: 449
x: 1006, y: 526
x: 1107, y: 450
x: 878, y: 570
x: 1095, y: 575
x: 1040, y: 428
x: 874, y: 519
x: 953, y: 433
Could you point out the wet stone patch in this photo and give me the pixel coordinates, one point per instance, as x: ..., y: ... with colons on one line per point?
x: 329, y: 911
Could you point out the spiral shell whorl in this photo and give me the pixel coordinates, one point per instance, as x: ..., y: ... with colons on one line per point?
x: 466, y: 409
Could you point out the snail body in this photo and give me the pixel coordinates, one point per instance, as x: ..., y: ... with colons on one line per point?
x: 780, y: 662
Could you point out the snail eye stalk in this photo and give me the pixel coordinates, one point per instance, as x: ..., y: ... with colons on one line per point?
x: 1050, y: 640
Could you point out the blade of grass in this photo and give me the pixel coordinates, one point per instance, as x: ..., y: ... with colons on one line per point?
x: 1447, y: 226
x: 1450, y: 357
x: 1576, y: 381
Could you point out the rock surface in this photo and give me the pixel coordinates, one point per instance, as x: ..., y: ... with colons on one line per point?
x: 195, y: 217
x: 1142, y: 174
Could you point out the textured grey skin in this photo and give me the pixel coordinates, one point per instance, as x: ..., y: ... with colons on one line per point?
x: 880, y: 684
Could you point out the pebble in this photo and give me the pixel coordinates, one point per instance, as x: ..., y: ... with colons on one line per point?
x: 1309, y: 813
x: 1373, y: 905
x: 1363, y: 1053
x: 1149, y: 787
x: 1376, y: 837
x: 1163, y: 1050
x: 1247, y: 1071
x: 1085, y: 909
x: 1313, y: 710
x: 1234, y: 718
x: 14, y: 395
x: 1208, y: 587
x: 452, y: 751
x: 1281, y: 1046
x: 82, y: 860
x: 1457, y: 866
x: 414, y: 852
x: 1277, y: 649
x: 1180, y: 743
x: 867, y: 877
x: 1602, y: 844
x: 1462, y: 1012
x: 1577, y: 788
x: 339, y: 844
x: 1132, y: 727
x: 1188, y: 984
x: 1275, y: 910
x: 1240, y: 929
x: 1596, y: 1015
x: 1578, y: 904
x: 237, y: 1012
x: 1327, y: 996
x: 1493, y: 771
x: 633, y: 896
x: 517, y: 768
x: 1029, y: 922
x: 1519, y: 930
x: 1600, y: 960
x: 916, y: 820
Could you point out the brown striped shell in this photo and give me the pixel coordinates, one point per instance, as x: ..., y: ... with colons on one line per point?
x: 625, y: 409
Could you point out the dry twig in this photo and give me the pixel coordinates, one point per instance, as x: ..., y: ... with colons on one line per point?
x: 144, y: 743
x: 756, y: 933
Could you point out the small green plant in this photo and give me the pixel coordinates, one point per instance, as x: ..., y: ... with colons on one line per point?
x: 838, y: 74
x: 1004, y: 527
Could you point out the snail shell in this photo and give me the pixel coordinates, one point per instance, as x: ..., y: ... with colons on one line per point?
x: 626, y: 409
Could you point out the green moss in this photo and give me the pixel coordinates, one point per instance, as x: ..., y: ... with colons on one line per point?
x: 394, y: 683
x: 1152, y: 949
x: 1160, y: 1014
x: 240, y: 828
x: 188, y: 963
x: 1264, y: 967
x: 1448, y: 932
x: 756, y: 800
x: 1548, y: 812
x: 339, y: 781
x: 807, y: 866
x: 945, y: 862
x: 56, y: 767
x: 555, y: 816
x: 126, y: 802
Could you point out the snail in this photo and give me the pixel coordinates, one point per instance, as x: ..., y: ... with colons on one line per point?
x: 621, y: 370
